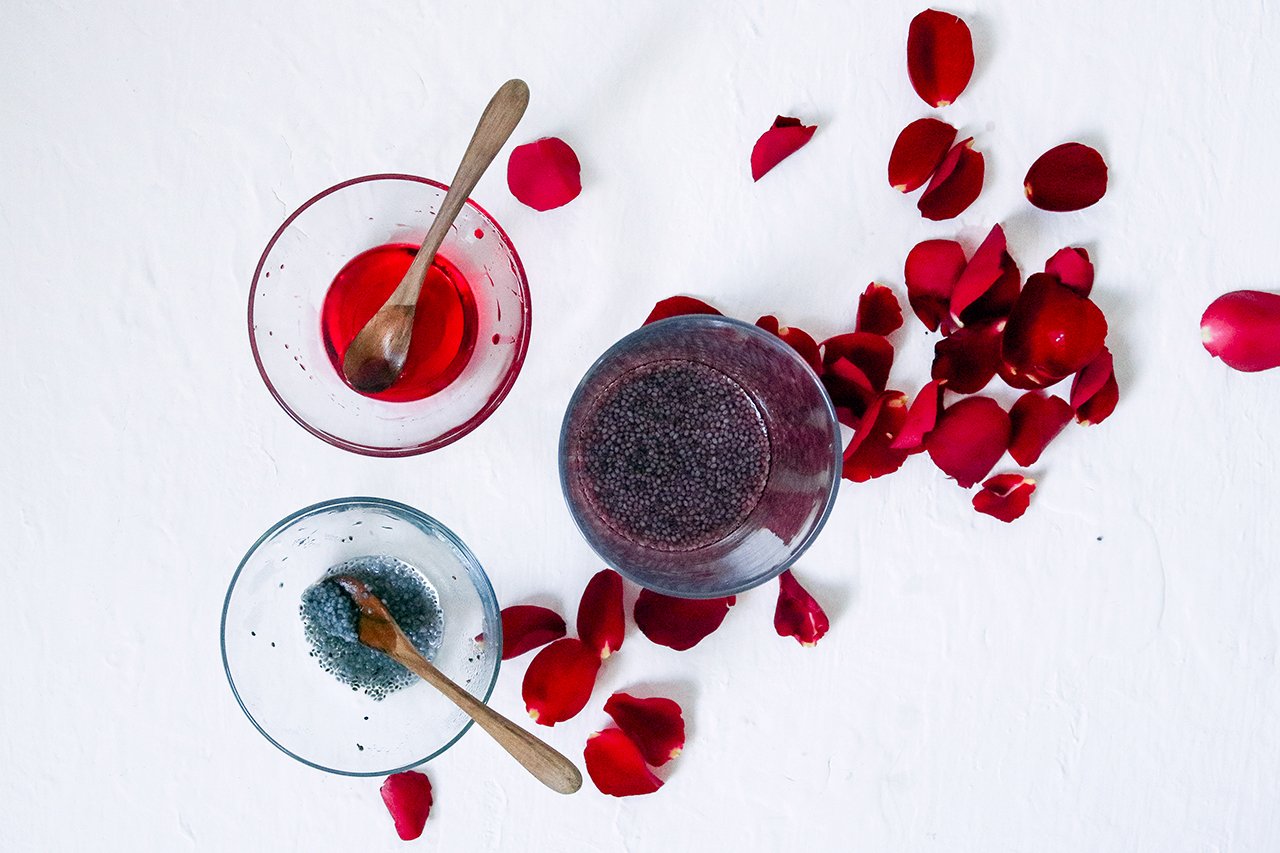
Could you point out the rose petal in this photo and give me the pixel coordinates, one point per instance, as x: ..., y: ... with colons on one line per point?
x: 879, y: 312
x: 969, y: 439
x: 920, y: 420
x: 955, y: 185
x: 616, y: 766
x: 918, y: 152
x: 654, y: 725
x: 1069, y: 177
x: 1036, y: 419
x: 679, y: 623
x: 1094, y: 393
x: 968, y: 359
x: 797, y: 613
x: 1052, y: 331
x: 1097, y: 408
x: 932, y: 270
x: 559, y: 681
x: 989, y: 285
x: 870, y: 453
x: 1004, y: 496
x: 526, y: 627
x: 939, y: 57
x: 601, y: 618
x: 408, y: 797
x: 778, y: 143
x: 1243, y: 329
x: 1073, y: 268
x: 799, y: 340
x: 676, y: 306
x: 871, y: 354
x: 544, y: 174
x: 851, y: 392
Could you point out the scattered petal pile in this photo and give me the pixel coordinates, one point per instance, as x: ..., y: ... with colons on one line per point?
x: 544, y: 174
x: 408, y: 797
x: 1243, y: 329
x: 649, y: 732
x: 786, y: 137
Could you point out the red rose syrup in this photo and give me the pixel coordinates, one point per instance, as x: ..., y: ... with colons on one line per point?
x: 444, y: 325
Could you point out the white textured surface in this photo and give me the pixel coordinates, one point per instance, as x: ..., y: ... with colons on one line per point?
x: 1099, y: 675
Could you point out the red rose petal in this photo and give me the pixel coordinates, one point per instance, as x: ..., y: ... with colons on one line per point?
x: 939, y: 57
x: 1004, y: 496
x: 616, y: 766
x: 1073, y: 268
x: 1094, y: 393
x: 932, y: 270
x: 654, y: 725
x: 1052, y: 331
x: 871, y: 354
x: 798, y: 614
x: 870, y: 453
x: 955, y: 185
x: 526, y: 627
x: 679, y: 623
x: 988, y: 287
x: 559, y: 681
x: 1036, y: 419
x: 851, y: 392
x: 544, y: 174
x: 968, y: 359
x: 970, y: 437
x: 799, y: 340
x: 408, y: 798
x: 918, y: 152
x: 921, y: 419
x: 601, y: 617
x: 1069, y: 177
x: 879, y: 312
x: 778, y: 143
x: 1098, y: 407
x: 676, y: 306
x: 1243, y: 329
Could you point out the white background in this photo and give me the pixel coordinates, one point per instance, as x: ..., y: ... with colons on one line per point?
x: 1098, y: 675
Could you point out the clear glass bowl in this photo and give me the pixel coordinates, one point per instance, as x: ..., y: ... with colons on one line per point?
x: 307, y: 712
x: 789, y: 496
x: 294, y: 275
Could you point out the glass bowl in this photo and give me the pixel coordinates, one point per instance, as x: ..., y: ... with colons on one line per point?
x: 288, y: 298
x: 700, y: 456
x: 306, y: 711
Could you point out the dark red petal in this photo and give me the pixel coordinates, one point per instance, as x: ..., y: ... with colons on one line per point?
x: 654, y: 725
x: 871, y: 354
x: 879, y: 312
x: 616, y: 766
x: 408, y: 798
x: 921, y: 418
x: 679, y: 623
x: 676, y: 306
x: 778, y: 143
x: 932, y: 270
x: 1004, y: 496
x: 989, y: 285
x: 850, y: 390
x: 527, y: 626
x: 1243, y: 329
x: 559, y: 681
x: 1073, y: 268
x: 798, y: 614
x: 968, y: 359
x: 955, y: 185
x: 1094, y: 393
x: 939, y: 57
x: 799, y: 340
x: 601, y: 617
x: 1024, y: 379
x: 1069, y: 177
x: 544, y: 174
x: 918, y: 152
x: 1097, y: 408
x: 1052, y: 331
x: 969, y: 439
x: 1036, y: 419
x: 870, y: 453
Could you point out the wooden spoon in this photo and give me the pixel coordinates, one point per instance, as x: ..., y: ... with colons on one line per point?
x: 376, y: 356
x: 378, y: 630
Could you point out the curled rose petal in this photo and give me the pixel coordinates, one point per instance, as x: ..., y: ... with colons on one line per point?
x: 675, y: 306
x: 654, y: 725
x: 1069, y: 177
x: 679, y: 623
x: 1243, y: 329
x: 870, y: 453
x: 879, y: 312
x: 786, y: 137
x: 932, y: 270
x: 799, y: 340
x: 526, y: 627
x: 559, y: 681
x: 871, y: 354
x: 798, y: 614
x: 918, y: 152
x: 616, y: 766
x: 921, y: 418
x: 970, y: 437
x: 1073, y: 268
x: 988, y: 287
x: 1052, y: 331
x: 1036, y: 419
x: 1094, y: 393
x: 601, y: 618
x: 851, y: 392
x: 939, y: 56
x: 407, y: 796
x: 955, y: 185
x: 1004, y: 496
x: 969, y: 357
x: 544, y: 174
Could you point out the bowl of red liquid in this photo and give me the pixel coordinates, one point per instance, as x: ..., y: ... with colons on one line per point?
x: 333, y: 263
x: 700, y: 456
